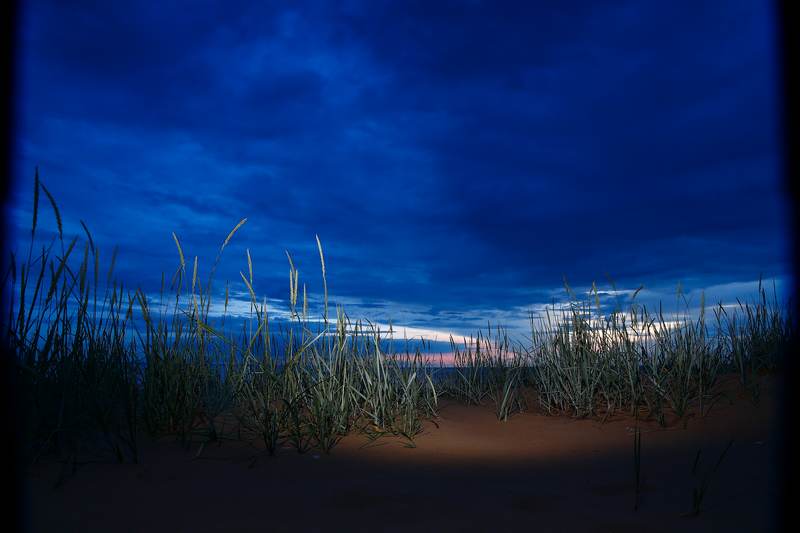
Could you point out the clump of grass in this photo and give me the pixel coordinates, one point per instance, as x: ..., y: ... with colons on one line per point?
x: 77, y: 374
x: 258, y: 407
x: 637, y: 465
x: 488, y: 368
x: 469, y: 382
x: 331, y: 405
x: 98, y: 363
x: 756, y: 334
x: 567, y: 368
x: 418, y: 396
x: 394, y: 392
x: 700, y: 490
x: 505, y: 380
x: 587, y: 365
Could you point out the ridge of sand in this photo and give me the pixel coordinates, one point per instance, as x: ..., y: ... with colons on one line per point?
x: 472, y: 473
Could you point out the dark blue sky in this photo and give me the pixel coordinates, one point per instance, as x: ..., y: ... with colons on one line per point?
x: 456, y: 158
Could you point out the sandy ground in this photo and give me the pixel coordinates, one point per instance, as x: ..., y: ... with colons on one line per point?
x: 472, y: 473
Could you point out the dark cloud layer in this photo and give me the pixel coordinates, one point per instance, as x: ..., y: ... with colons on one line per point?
x: 452, y: 156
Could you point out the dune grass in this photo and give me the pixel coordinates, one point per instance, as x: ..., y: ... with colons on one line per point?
x: 640, y: 360
x: 98, y: 364
x: 703, y: 482
x: 637, y: 466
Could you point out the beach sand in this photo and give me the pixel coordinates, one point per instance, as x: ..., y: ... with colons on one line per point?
x: 471, y: 473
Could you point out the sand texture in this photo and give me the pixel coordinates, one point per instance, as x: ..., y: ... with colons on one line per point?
x: 471, y: 473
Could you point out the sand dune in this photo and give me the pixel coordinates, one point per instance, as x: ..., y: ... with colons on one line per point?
x: 471, y: 473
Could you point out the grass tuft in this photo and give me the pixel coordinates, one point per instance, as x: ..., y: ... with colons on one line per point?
x: 97, y: 372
